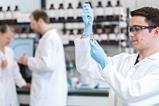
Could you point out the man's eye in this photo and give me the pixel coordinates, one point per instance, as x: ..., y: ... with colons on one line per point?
x: 137, y: 28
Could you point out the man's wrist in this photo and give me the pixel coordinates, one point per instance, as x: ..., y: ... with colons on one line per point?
x: 88, y: 31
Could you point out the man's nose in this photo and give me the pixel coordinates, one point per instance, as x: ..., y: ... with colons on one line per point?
x: 131, y: 34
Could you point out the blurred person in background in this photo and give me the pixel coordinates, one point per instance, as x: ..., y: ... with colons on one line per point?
x: 49, y: 81
x: 133, y: 77
x: 9, y: 71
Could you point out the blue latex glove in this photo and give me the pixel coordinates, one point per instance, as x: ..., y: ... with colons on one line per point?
x: 98, y: 53
x: 87, y: 16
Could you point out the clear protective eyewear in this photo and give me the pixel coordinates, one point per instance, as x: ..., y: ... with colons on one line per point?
x: 137, y: 28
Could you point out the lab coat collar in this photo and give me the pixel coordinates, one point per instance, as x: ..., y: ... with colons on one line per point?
x: 152, y: 57
x: 47, y: 32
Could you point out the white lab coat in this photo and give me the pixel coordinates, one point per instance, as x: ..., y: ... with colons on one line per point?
x: 136, y: 85
x: 9, y: 78
x: 49, y: 82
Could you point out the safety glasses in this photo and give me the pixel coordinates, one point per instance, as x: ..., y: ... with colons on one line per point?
x: 136, y: 28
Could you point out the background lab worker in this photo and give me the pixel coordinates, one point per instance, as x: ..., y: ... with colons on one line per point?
x: 49, y: 82
x: 9, y: 71
x: 133, y: 77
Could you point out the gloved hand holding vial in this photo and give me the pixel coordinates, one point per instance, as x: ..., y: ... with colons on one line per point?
x: 96, y: 51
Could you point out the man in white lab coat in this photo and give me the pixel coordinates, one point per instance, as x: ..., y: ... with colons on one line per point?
x: 133, y: 77
x: 49, y: 82
x: 9, y: 71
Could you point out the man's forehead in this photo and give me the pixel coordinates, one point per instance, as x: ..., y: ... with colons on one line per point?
x: 138, y: 20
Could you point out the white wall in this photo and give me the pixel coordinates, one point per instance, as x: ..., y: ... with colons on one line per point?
x: 134, y: 4
x: 24, y: 5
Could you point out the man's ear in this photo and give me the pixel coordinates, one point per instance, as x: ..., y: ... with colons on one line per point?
x: 156, y: 33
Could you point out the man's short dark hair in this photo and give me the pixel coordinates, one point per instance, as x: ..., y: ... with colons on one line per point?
x: 40, y: 14
x: 151, y: 14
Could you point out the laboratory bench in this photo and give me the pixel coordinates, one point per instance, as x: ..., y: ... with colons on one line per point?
x: 76, y: 97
